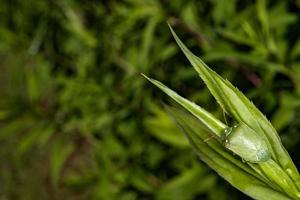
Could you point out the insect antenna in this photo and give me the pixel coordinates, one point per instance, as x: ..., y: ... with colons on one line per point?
x: 207, y: 139
x: 225, y: 118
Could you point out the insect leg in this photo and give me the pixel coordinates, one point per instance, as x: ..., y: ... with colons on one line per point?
x: 225, y: 118
x: 207, y: 139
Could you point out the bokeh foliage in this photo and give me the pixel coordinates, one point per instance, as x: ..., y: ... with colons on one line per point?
x: 77, y: 121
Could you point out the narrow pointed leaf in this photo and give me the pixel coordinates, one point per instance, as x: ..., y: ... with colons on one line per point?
x: 234, y: 171
x: 204, y: 134
x: 242, y: 110
x: 213, y: 124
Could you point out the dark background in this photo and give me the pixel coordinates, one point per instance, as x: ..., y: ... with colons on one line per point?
x: 78, y: 121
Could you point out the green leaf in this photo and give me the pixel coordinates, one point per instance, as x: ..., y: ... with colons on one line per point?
x: 162, y: 127
x: 213, y: 124
x: 241, y: 109
x: 224, y: 163
x: 59, y: 155
x: 187, y: 185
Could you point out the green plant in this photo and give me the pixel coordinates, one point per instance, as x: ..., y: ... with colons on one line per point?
x: 274, y: 177
x: 78, y: 122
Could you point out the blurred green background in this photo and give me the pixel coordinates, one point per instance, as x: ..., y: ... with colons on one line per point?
x: 78, y: 121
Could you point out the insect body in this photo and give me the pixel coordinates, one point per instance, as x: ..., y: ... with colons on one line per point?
x: 246, y: 143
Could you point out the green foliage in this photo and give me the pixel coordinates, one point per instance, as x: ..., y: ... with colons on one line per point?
x: 277, y: 172
x: 77, y: 121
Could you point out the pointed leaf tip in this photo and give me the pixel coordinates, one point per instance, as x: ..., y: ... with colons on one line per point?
x: 212, y: 123
x: 241, y: 109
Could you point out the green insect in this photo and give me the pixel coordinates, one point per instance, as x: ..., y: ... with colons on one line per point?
x: 246, y: 143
